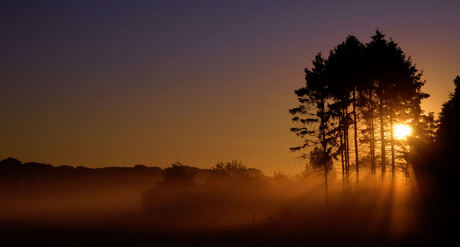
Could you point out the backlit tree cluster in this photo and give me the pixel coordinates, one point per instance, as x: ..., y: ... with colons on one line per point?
x: 351, y: 102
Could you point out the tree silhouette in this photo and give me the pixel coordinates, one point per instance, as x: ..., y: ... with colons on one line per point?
x: 376, y: 53
x: 450, y: 118
x: 375, y: 82
x: 397, y: 84
x: 346, y: 81
x: 179, y: 175
x: 312, y: 116
x: 448, y: 137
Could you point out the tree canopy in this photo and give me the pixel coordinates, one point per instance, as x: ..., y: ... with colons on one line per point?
x: 367, y: 88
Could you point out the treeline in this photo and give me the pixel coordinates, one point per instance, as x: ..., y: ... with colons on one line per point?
x: 436, y: 163
x: 351, y: 102
x: 16, y: 176
x: 33, y: 177
x: 436, y: 160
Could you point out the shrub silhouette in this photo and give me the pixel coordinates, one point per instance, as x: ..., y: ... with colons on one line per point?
x: 234, y: 170
x: 179, y: 175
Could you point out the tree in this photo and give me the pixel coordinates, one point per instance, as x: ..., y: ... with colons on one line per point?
x: 179, y: 175
x: 375, y: 82
x: 312, y: 116
x: 234, y: 169
x: 319, y: 159
x: 344, y: 68
x: 375, y: 51
x: 449, y: 131
x: 397, y: 84
x: 448, y: 138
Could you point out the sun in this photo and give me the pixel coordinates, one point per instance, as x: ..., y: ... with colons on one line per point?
x: 401, y: 131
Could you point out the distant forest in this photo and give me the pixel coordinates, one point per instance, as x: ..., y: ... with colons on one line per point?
x: 38, y: 177
x: 16, y: 176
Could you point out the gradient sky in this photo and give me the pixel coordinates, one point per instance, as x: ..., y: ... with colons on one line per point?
x: 101, y: 83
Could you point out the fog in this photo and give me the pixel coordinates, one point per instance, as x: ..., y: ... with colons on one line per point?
x: 191, y: 200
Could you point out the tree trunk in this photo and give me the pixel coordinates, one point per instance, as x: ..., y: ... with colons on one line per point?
x: 372, y: 135
x: 324, y: 144
x: 393, y: 168
x: 382, y: 138
x: 356, y: 136
x: 325, y: 182
x: 341, y: 150
x: 347, y: 146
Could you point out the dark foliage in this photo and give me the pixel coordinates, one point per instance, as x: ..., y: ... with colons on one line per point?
x: 375, y: 82
x: 179, y: 175
x: 33, y: 177
x: 436, y: 164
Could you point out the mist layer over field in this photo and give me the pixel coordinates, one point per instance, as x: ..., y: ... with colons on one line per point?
x: 229, y: 202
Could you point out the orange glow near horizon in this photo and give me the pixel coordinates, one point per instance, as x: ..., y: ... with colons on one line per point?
x: 402, y: 131
x: 153, y: 84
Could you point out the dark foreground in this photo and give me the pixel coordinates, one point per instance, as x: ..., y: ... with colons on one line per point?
x: 247, y: 236
x: 384, y: 217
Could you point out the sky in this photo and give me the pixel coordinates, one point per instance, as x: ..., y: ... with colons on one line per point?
x: 109, y: 83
